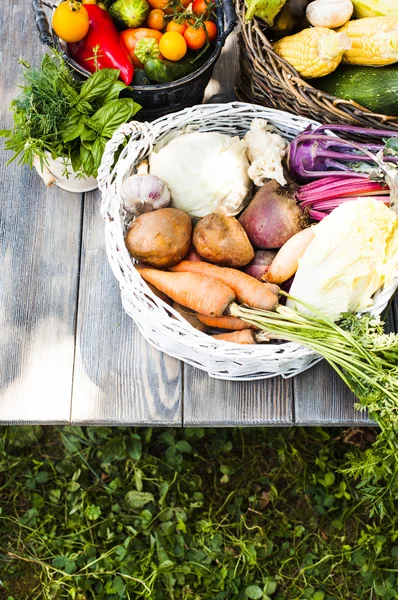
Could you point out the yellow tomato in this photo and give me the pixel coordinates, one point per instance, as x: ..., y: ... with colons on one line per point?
x: 172, y: 45
x: 70, y: 21
x: 89, y: 1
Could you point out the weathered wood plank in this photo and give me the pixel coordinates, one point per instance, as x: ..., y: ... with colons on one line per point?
x: 214, y: 403
x: 39, y: 241
x: 221, y: 85
x: 119, y: 378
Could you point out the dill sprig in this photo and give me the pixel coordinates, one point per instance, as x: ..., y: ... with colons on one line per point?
x: 40, y: 111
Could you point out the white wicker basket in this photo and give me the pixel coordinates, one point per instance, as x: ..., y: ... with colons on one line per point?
x: 159, y: 324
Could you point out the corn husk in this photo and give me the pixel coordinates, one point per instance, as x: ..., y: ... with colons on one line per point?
x: 375, y: 8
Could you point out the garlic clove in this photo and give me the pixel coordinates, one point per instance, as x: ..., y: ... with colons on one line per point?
x: 144, y: 193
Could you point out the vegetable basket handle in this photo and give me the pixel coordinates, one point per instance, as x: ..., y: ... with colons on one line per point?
x: 42, y: 21
x: 110, y: 175
x: 231, y: 20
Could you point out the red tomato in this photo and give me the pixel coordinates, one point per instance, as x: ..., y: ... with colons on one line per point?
x: 211, y: 29
x: 200, y: 7
x: 195, y: 38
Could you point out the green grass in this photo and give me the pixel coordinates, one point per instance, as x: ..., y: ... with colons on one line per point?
x: 101, y: 513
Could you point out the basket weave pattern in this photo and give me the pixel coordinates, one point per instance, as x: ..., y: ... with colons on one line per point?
x: 267, y: 79
x: 163, y: 327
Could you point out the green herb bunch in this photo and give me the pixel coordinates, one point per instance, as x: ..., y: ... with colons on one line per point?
x: 366, y: 359
x: 57, y: 115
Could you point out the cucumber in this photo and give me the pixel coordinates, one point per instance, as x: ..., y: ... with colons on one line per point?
x: 374, y: 88
x: 165, y: 71
x: 140, y: 78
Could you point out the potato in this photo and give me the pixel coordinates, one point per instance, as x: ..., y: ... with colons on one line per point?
x: 222, y: 240
x: 161, y: 238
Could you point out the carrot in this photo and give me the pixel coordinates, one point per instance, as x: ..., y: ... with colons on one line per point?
x: 204, y: 295
x: 191, y: 317
x: 248, y: 290
x: 245, y: 336
x: 228, y: 322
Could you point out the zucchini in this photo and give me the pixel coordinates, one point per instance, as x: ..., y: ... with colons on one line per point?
x: 165, y: 71
x: 374, y: 88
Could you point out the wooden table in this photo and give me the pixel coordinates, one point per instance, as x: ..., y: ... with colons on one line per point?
x: 68, y: 352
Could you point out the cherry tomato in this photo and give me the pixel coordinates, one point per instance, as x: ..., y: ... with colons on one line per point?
x: 156, y: 20
x: 195, y: 38
x: 172, y: 45
x: 129, y: 37
x: 178, y: 27
x: 211, y: 29
x: 70, y: 21
x: 201, y: 7
x: 174, y: 5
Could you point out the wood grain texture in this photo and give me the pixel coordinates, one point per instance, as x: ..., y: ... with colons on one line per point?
x: 212, y: 402
x: 221, y: 85
x: 321, y: 397
x: 119, y: 378
x: 40, y: 246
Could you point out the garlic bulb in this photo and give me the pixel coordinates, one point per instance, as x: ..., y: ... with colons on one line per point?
x: 143, y: 192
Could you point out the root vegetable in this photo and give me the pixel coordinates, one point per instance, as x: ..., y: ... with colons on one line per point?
x: 285, y: 263
x: 222, y: 240
x: 246, y: 336
x: 202, y: 294
x: 260, y: 263
x: 248, y: 290
x: 160, y: 238
x: 193, y: 256
x: 227, y: 322
x: 192, y: 317
x: 272, y: 217
x: 160, y: 294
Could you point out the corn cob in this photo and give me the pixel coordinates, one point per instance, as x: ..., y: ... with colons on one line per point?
x: 374, y: 41
x: 313, y: 52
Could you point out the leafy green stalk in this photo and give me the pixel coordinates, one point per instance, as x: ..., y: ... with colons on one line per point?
x: 58, y: 116
x: 366, y: 359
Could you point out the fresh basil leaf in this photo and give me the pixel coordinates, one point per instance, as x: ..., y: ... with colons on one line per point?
x: 84, y: 107
x: 88, y: 144
x: 88, y: 135
x: 76, y: 161
x: 113, y: 114
x: 94, y: 125
x: 73, y: 126
x: 98, y: 84
x: 114, y: 92
x: 98, y: 150
x: 87, y: 161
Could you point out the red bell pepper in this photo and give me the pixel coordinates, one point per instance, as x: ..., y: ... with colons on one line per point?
x: 101, y: 48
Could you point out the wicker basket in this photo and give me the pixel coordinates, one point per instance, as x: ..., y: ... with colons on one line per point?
x: 161, y: 325
x: 267, y: 79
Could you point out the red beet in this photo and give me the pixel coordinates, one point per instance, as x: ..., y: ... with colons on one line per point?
x: 260, y: 263
x: 273, y: 216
